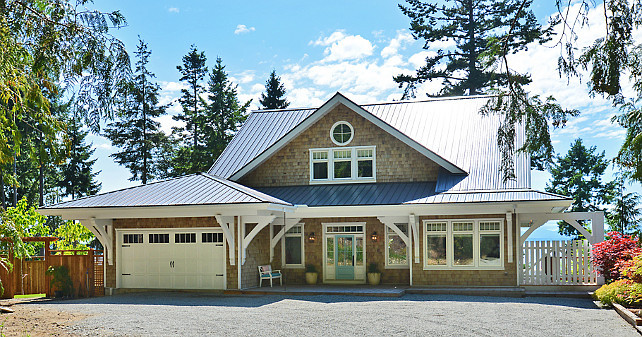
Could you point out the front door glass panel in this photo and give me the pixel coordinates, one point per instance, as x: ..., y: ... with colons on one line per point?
x: 345, y: 257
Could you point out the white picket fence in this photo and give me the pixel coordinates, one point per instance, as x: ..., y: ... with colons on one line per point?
x: 557, y: 263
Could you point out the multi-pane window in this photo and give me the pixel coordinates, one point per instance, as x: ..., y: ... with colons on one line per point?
x: 320, y: 165
x: 340, y: 164
x: 341, y: 133
x: 212, y: 237
x: 293, y: 247
x: 158, y: 238
x: 396, y: 249
x: 185, y: 238
x: 132, y: 238
x: 463, y: 244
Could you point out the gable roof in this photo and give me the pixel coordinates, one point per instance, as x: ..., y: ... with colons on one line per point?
x: 248, y: 135
x: 195, y: 189
x: 451, y: 131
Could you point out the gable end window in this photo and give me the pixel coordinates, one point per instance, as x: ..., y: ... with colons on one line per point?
x: 346, y: 164
x: 341, y: 133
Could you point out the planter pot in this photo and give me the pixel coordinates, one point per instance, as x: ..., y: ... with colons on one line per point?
x: 311, y: 278
x: 374, y: 278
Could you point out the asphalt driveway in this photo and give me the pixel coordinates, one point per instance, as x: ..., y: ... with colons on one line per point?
x: 198, y: 314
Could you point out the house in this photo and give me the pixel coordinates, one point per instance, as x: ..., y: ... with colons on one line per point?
x: 414, y: 187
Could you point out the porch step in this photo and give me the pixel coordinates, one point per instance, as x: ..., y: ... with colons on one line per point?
x: 473, y: 291
x: 567, y: 294
x: 322, y: 290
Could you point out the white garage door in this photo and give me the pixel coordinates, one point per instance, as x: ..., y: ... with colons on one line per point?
x: 172, y: 259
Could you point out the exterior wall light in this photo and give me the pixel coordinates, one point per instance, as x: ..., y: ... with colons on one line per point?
x: 374, y: 236
x: 311, y: 238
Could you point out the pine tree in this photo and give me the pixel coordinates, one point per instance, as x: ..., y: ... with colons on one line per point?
x: 137, y: 134
x: 193, y: 71
x: 274, y: 92
x: 625, y: 215
x: 78, y: 177
x: 223, y: 114
x: 579, y: 174
x: 471, y: 25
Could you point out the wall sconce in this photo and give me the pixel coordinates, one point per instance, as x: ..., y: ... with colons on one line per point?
x: 311, y: 238
x: 374, y: 236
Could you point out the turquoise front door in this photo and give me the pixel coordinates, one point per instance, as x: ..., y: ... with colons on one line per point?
x: 344, y: 252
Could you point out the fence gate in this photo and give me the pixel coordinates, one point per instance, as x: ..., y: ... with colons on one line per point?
x: 557, y: 263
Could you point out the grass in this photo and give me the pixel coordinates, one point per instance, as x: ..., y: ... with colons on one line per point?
x: 30, y: 296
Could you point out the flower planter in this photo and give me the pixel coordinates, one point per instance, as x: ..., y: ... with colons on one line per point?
x: 374, y: 278
x: 311, y: 278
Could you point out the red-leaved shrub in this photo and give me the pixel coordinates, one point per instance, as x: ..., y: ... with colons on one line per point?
x: 608, y: 256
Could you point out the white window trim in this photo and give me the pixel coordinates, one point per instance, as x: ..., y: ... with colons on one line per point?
x: 351, y: 133
x: 476, y: 235
x: 354, y: 165
x: 302, y: 236
x: 408, y: 257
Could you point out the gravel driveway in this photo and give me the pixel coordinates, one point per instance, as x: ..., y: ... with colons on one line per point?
x: 197, y: 314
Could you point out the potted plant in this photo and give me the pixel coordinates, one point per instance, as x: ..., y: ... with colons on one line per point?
x: 374, y: 275
x: 60, y: 281
x: 311, y: 274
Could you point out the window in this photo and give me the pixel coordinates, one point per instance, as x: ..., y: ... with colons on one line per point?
x: 158, y: 238
x: 466, y: 244
x: 132, y: 238
x: 396, y: 250
x: 292, y: 251
x: 354, y: 164
x: 212, y: 237
x: 341, y: 133
x: 185, y: 238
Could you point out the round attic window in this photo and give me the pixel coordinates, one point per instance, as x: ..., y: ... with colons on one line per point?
x: 341, y: 133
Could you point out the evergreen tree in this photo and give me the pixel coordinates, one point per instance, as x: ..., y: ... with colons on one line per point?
x: 188, y: 157
x: 137, y: 133
x: 78, y: 177
x: 471, y: 25
x: 625, y: 215
x: 274, y: 92
x: 579, y: 174
x: 223, y: 114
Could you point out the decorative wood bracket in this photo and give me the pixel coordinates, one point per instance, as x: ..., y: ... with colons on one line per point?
x: 227, y: 225
x: 289, y: 223
x: 261, y: 222
x: 103, y: 230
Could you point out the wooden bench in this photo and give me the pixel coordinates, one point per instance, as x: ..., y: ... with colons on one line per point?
x: 266, y: 273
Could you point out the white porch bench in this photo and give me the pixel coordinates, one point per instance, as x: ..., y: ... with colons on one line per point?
x: 266, y: 273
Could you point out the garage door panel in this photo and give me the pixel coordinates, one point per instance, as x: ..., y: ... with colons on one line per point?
x: 181, y: 259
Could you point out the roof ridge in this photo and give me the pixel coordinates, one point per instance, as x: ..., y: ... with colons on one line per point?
x: 123, y: 189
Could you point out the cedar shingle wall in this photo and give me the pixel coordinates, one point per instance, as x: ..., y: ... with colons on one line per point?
x: 290, y: 166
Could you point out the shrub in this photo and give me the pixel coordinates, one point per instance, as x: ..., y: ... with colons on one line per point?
x: 624, y: 292
x: 61, y: 281
x: 632, y: 269
x: 609, y: 255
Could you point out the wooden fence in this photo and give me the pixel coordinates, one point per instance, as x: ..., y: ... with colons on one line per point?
x: 28, y: 276
x: 557, y: 263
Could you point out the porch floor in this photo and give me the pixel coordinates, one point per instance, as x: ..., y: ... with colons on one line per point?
x: 325, y: 289
x: 399, y: 291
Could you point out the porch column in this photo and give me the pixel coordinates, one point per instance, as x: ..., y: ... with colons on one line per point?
x: 414, y: 222
x: 261, y: 222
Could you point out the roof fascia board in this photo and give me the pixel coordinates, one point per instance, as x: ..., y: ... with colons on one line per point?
x: 430, y: 209
x: 164, y: 211
x: 324, y: 109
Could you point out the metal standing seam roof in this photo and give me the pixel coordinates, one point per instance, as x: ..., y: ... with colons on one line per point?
x: 453, y: 128
x: 195, y: 189
x: 396, y: 194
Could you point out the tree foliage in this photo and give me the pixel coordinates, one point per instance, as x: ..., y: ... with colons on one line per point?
x: 579, y: 174
x: 73, y: 236
x: 78, y: 178
x: 47, y: 42
x: 273, y: 97
x: 137, y: 132
x: 625, y: 215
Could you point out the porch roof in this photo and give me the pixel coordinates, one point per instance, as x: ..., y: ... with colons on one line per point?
x: 396, y: 194
x: 195, y: 189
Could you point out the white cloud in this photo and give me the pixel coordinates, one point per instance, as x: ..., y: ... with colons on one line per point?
x: 242, y: 29
x: 167, y: 122
x: 392, y: 49
x: 344, y: 47
x: 172, y: 86
x: 173, y: 10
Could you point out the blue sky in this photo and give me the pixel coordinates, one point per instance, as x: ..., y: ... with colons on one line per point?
x: 318, y: 48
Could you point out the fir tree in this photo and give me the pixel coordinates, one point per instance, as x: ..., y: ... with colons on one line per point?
x: 470, y: 25
x: 579, y: 174
x: 625, y: 215
x: 273, y: 98
x: 224, y: 114
x: 193, y: 71
x: 137, y: 134
x: 78, y: 177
